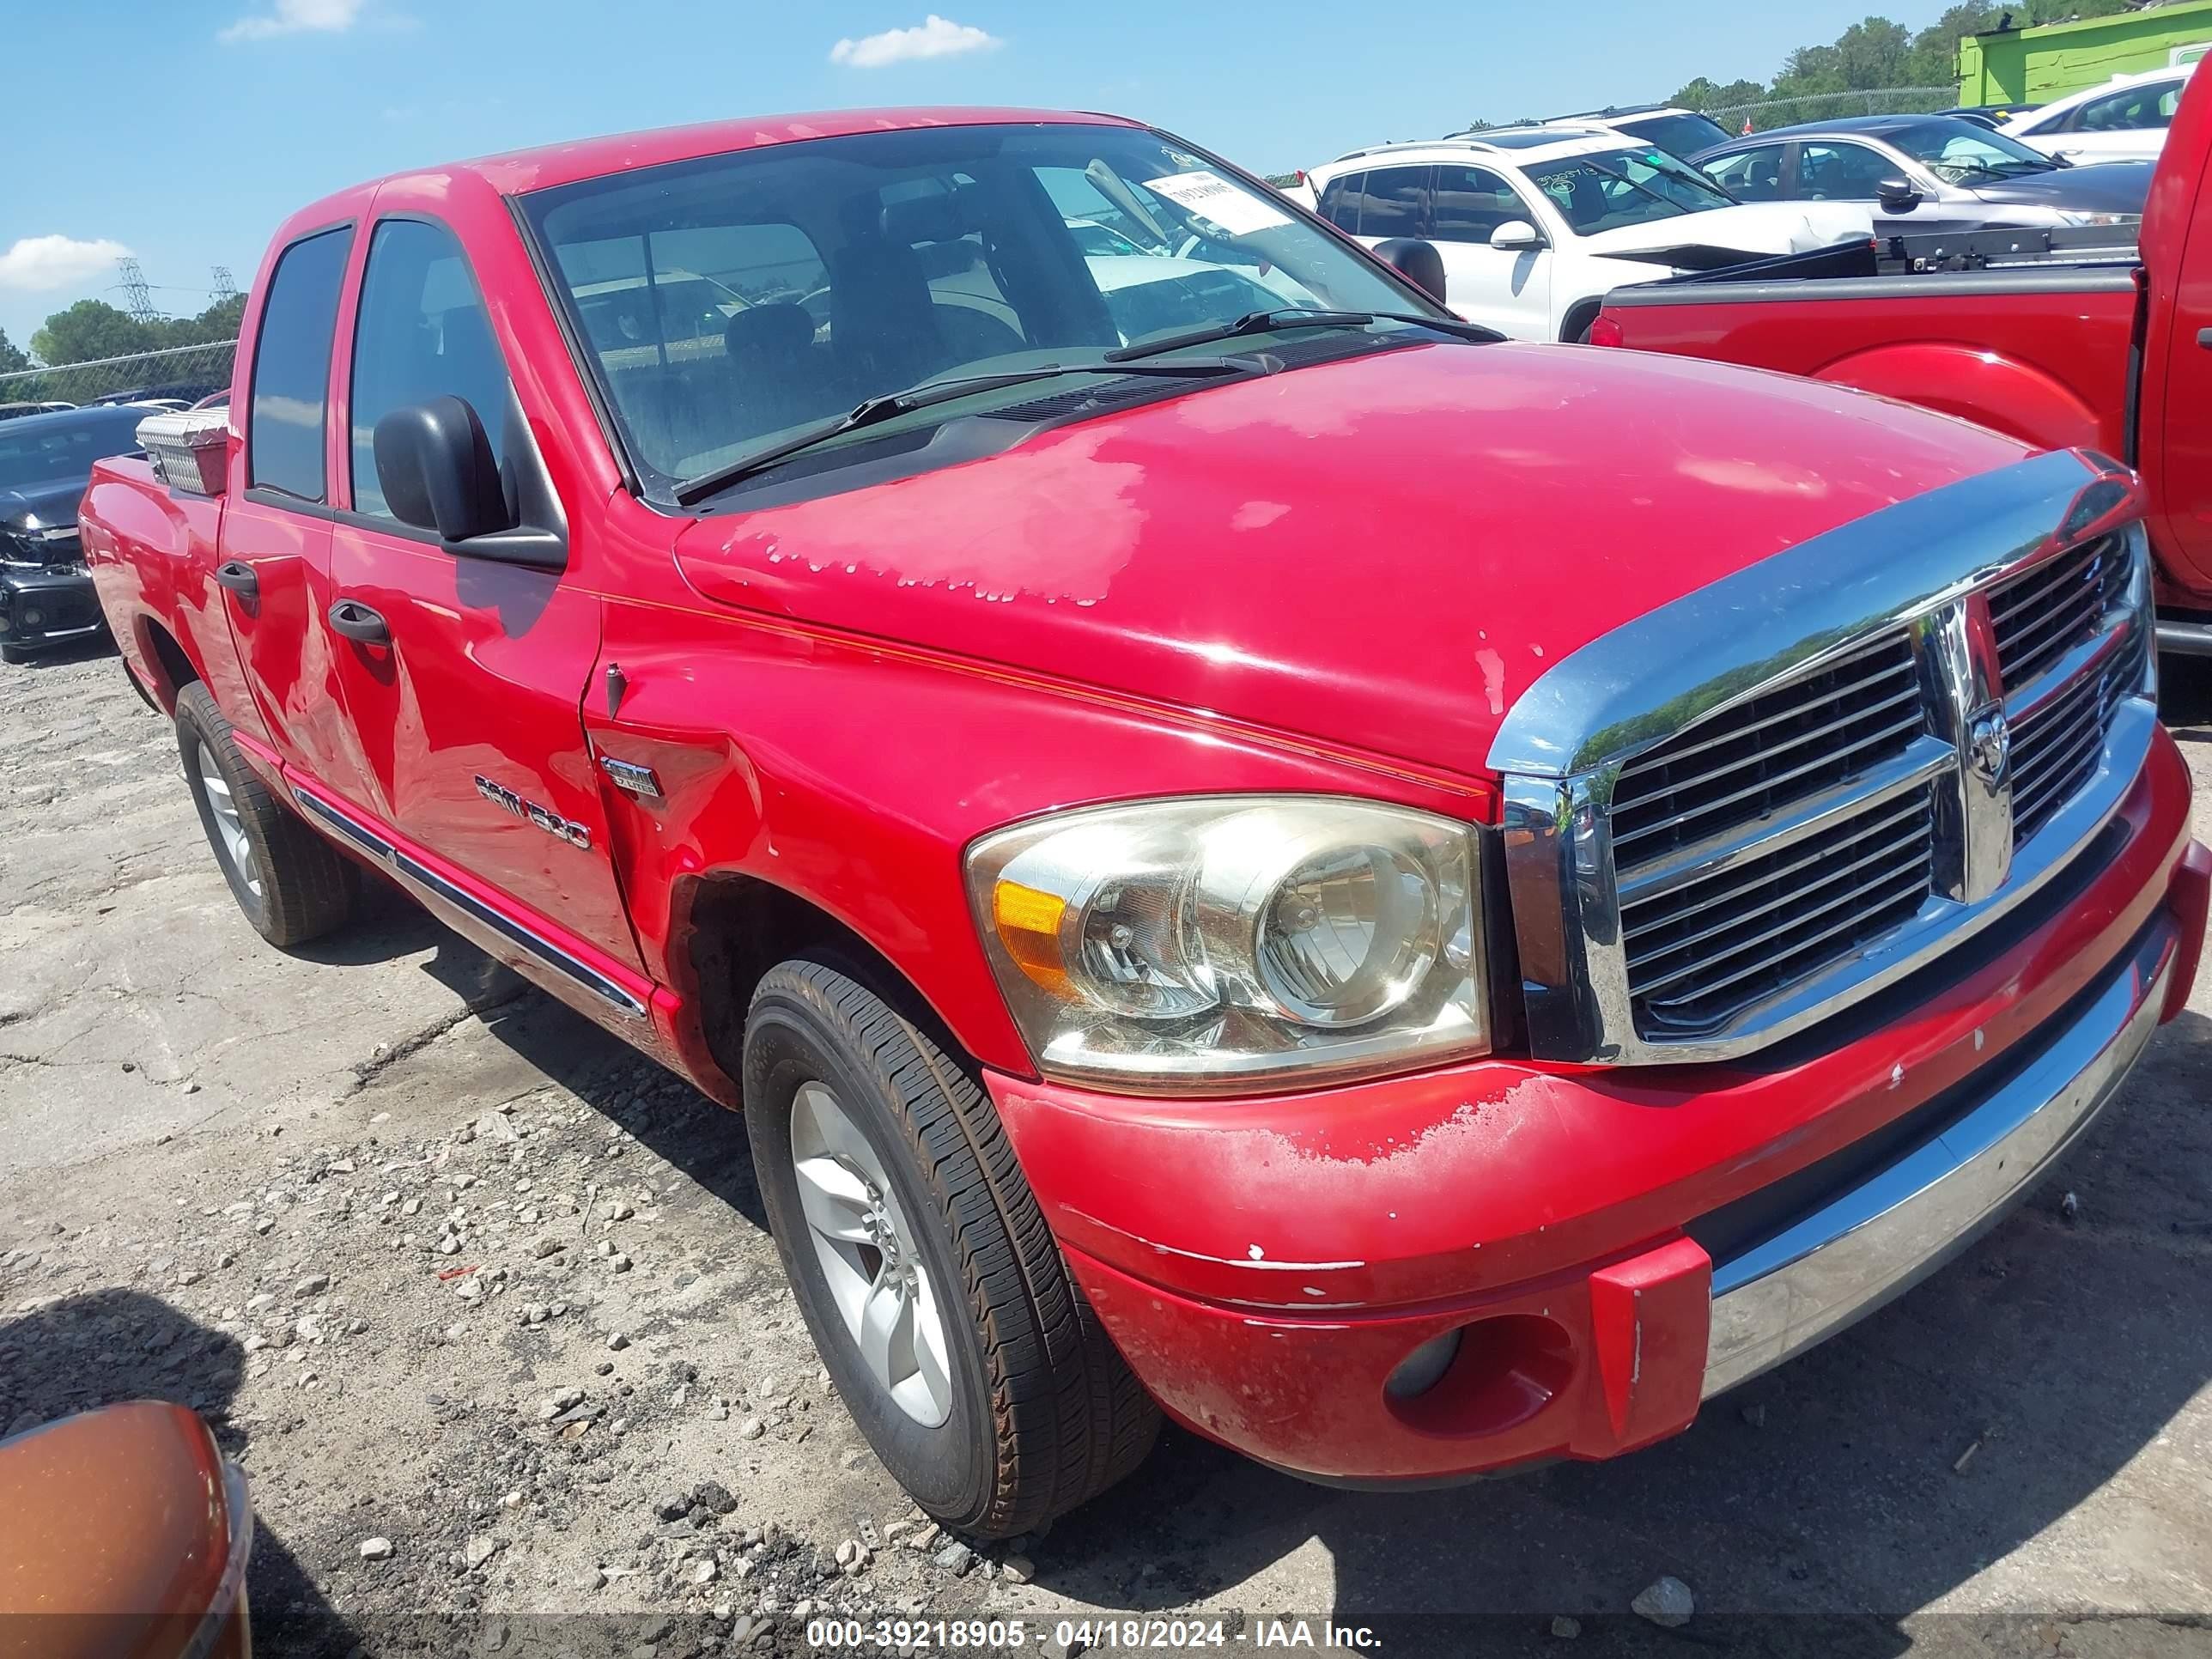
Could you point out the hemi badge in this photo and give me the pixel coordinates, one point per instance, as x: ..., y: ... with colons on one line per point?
x: 628, y: 775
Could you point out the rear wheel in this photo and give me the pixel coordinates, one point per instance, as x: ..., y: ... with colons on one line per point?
x: 292, y: 884
x: 965, y: 1352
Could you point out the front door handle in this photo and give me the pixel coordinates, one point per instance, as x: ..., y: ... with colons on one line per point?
x: 357, y: 622
x: 2204, y: 338
x: 239, y: 579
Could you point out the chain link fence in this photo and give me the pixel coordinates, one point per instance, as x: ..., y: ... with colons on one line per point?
x: 190, y: 373
x: 1833, y: 106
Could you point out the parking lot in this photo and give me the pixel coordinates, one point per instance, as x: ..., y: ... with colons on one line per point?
x: 383, y: 1210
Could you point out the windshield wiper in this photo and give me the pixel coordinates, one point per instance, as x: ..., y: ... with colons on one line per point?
x: 872, y: 411
x: 1261, y: 322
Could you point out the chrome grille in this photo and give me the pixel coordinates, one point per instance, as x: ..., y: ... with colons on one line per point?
x: 1735, y: 767
x: 2055, y: 748
x: 2041, y: 616
x: 1701, y: 950
x: 1731, y: 817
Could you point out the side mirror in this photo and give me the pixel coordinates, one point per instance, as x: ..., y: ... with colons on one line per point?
x: 1516, y: 234
x: 1897, y: 196
x: 1417, y: 261
x: 434, y: 463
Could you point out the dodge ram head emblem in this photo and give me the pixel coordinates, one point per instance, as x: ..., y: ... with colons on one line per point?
x: 1988, y: 747
x: 544, y: 818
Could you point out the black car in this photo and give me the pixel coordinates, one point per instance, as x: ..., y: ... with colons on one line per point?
x: 1926, y: 173
x: 45, y: 461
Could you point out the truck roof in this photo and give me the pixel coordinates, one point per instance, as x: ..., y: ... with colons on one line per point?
x: 516, y: 172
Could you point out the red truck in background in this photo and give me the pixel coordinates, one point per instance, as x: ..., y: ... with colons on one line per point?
x: 1241, y: 853
x: 2115, y: 356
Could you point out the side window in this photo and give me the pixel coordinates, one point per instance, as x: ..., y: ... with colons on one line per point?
x: 1750, y: 175
x: 2131, y: 110
x: 1393, y: 202
x: 1339, y: 201
x: 422, y: 333
x: 1842, y: 172
x: 286, y: 426
x: 1466, y: 204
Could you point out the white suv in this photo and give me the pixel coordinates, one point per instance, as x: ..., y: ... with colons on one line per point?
x: 1536, y: 225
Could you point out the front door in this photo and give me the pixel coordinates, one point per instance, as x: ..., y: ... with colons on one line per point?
x: 275, y: 572
x: 463, y: 676
x: 1508, y: 289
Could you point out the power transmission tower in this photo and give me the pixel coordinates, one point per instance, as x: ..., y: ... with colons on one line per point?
x: 137, y: 297
x: 225, y: 287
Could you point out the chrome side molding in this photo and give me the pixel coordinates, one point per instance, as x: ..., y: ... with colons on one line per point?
x: 417, y: 874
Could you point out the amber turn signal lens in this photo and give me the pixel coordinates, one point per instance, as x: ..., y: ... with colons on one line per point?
x: 1028, y: 922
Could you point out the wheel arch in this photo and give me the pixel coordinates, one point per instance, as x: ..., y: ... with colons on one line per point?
x: 1580, y: 315
x: 732, y: 927
x: 173, y: 665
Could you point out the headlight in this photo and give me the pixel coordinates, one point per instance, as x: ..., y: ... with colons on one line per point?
x: 1206, y: 945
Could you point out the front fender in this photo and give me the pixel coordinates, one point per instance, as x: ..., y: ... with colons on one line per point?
x: 853, y: 775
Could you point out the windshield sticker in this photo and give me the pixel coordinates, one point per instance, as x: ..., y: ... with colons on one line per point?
x: 1216, y: 200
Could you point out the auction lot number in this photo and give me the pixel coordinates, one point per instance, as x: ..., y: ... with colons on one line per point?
x: 1004, y: 1635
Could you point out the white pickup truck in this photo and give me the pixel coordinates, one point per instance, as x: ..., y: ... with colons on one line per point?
x: 1536, y: 225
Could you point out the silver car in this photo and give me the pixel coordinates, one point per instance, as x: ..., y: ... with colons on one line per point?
x: 1926, y: 173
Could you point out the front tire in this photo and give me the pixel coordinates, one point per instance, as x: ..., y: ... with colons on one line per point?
x: 967, y: 1355
x: 291, y: 884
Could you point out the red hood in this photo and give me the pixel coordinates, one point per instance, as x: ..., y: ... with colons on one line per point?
x: 1381, y: 553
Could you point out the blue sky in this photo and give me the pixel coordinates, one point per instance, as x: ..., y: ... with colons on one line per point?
x: 208, y: 120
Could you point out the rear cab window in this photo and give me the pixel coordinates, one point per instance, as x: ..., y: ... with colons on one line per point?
x: 288, y: 416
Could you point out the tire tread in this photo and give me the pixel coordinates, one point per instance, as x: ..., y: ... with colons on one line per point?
x: 1070, y: 1417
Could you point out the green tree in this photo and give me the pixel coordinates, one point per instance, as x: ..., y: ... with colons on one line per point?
x: 1703, y: 94
x: 89, y: 330
x: 13, y: 359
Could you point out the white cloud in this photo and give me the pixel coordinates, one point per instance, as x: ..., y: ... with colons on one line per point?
x: 297, y: 17
x: 933, y: 37
x: 38, y: 263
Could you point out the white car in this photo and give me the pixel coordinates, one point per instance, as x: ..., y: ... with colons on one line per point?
x: 1678, y: 131
x: 2125, y: 119
x: 1536, y: 225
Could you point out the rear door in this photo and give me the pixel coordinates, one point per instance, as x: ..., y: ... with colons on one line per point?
x: 276, y: 552
x: 1508, y: 289
x: 462, y: 676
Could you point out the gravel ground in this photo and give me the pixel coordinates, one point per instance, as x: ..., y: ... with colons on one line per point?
x: 485, y: 1307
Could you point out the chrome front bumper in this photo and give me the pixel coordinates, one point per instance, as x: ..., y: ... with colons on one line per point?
x: 1878, y: 1240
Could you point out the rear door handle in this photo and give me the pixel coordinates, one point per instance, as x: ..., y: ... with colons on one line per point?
x: 239, y: 579
x: 357, y: 622
x: 2204, y: 338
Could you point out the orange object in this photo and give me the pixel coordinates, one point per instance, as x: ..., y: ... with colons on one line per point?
x: 123, y: 1534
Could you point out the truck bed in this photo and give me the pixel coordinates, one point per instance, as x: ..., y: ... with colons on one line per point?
x: 2038, y: 351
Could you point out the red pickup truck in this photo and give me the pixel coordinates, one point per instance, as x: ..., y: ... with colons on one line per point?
x: 1423, y: 905
x: 2112, y: 355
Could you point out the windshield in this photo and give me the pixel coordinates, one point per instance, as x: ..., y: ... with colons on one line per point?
x: 1615, y: 188
x: 1953, y: 150
x: 54, y: 452
x: 1682, y: 133
x: 806, y: 278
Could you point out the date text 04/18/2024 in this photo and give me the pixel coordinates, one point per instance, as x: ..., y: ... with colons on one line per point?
x: 1083, y: 1635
